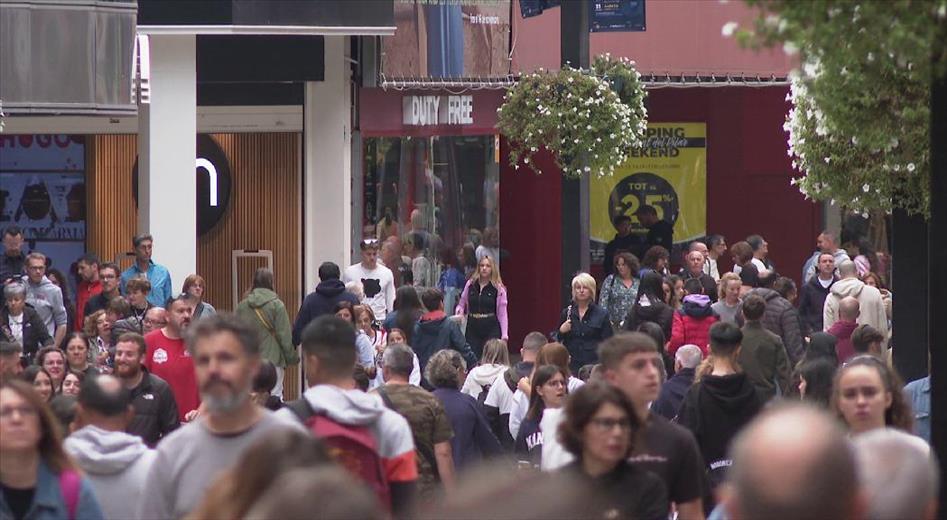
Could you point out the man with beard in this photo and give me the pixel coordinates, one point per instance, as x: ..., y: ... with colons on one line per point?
x: 89, y: 286
x: 156, y: 413
x: 167, y: 358
x: 226, y: 356
x: 108, y: 277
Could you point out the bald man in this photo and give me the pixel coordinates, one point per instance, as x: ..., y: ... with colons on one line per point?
x: 871, y: 306
x: 848, y: 311
x: 898, y: 475
x: 793, y: 462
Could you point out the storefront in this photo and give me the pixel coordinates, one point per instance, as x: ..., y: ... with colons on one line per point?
x: 430, y: 168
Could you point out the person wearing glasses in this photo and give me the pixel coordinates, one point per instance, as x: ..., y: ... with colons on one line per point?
x: 37, y: 478
x: 109, y: 277
x: 867, y: 396
x: 548, y: 390
x: 44, y: 296
x: 599, y: 430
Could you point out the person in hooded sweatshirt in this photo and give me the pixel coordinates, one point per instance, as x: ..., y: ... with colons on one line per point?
x: 115, y: 462
x: 848, y: 312
x: 323, y: 300
x: 435, y: 331
x: 495, y: 360
x: 692, y: 322
x: 650, y: 305
x: 328, y: 346
x: 871, y: 304
x: 721, y: 402
x: 263, y: 310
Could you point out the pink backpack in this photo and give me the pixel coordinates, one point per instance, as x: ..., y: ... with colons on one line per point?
x: 69, y: 483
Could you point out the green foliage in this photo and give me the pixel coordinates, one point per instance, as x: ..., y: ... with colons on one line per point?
x: 859, y: 130
x: 590, y: 119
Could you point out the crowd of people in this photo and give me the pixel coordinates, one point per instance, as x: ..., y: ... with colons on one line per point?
x: 698, y: 394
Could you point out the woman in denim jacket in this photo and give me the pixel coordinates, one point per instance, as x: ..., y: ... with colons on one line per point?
x: 38, y: 481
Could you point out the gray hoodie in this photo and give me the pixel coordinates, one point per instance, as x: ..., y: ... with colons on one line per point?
x: 116, y: 464
x: 46, y: 298
x: 354, y: 407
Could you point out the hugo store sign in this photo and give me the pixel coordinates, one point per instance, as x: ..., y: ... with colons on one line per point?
x: 437, y: 110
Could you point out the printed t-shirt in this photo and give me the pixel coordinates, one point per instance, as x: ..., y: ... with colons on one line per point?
x: 169, y: 359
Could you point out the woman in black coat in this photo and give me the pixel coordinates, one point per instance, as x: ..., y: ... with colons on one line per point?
x: 19, y: 323
x: 584, y: 324
x: 650, y: 306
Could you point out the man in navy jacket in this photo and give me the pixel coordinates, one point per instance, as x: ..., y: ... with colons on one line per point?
x: 323, y: 300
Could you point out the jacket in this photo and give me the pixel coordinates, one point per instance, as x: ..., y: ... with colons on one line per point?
x: 11, y: 267
x: 84, y: 291
x: 35, y: 335
x: 714, y: 410
x: 811, y: 304
x: 871, y: 307
x: 763, y: 358
x: 706, y: 281
x: 809, y: 270
x: 842, y: 330
x: 672, y: 394
x: 49, y: 503
x: 782, y: 319
x: 503, y: 315
x: 481, y: 376
x: 116, y: 465
x: 322, y: 301
x: 657, y: 312
x: 156, y: 411
x: 434, y: 332
x: 46, y: 299
x: 263, y: 310
x: 473, y: 440
x: 582, y: 341
x: 691, y: 324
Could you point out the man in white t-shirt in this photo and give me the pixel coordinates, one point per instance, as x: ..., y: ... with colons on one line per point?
x: 377, y: 281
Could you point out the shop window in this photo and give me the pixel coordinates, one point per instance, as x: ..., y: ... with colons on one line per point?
x: 438, y: 196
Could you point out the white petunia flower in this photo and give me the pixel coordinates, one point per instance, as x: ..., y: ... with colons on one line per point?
x: 728, y: 29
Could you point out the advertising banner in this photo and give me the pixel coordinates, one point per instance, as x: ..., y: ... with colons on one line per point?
x: 448, y: 39
x: 669, y: 173
x: 616, y: 15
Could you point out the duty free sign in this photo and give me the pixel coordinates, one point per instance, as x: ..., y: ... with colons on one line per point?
x: 437, y: 110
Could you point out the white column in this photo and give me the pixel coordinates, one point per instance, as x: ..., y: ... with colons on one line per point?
x: 327, y: 168
x: 167, y: 150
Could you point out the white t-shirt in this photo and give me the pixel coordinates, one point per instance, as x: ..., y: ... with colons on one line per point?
x: 760, y: 266
x: 500, y: 396
x: 378, y: 285
x: 825, y: 283
x: 521, y: 404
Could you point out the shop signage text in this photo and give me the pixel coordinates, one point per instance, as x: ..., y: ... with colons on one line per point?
x: 437, y: 110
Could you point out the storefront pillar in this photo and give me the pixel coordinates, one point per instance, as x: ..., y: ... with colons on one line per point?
x: 167, y: 147
x: 327, y: 166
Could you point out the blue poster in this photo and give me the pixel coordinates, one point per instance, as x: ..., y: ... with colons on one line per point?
x: 616, y: 15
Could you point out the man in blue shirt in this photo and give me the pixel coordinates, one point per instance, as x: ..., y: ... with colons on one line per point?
x: 157, y: 274
x: 918, y: 393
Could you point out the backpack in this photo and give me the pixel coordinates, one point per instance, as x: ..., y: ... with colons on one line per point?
x: 69, y: 484
x: 352, y: 447
x: 509, y: 376
x: 424, y: 450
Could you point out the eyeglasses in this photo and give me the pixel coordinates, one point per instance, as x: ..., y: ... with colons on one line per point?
x: 607, y: 425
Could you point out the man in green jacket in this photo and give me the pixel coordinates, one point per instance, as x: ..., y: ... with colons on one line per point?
x: 762, y: 353
x: 263, y: 310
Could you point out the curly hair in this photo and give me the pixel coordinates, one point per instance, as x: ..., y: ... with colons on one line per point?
x: 899, y: 415
x: 653, y: 254
x: 582, y: 407
x: 442, y: 369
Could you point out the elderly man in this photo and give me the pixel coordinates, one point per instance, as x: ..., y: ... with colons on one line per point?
x: 898, y: 475
x: 694, y: 262
x: 156, y: 318
x: 792, y: 462
x: 871, y: 306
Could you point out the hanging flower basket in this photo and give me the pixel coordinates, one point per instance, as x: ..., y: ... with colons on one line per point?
x: 590, y: 120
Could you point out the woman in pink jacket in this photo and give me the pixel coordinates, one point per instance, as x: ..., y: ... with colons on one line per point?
x: 484, y: 302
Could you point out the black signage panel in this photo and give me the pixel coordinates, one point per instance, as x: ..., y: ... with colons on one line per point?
x: 616, y: 15
x: 214, y: 183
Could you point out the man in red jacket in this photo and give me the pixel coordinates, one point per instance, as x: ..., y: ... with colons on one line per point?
x: 692, y: 322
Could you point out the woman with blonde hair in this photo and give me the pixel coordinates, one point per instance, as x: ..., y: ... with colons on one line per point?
x: 196, y: 286
x: 484, y: 301
x: 584, y: 324
x: 728, y: 304
x: 495, y: 360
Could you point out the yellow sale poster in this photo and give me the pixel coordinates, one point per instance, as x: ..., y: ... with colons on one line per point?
x: 669, y: 173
